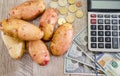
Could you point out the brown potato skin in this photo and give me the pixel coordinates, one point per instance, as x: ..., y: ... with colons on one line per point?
x: 38, y: 52
x: 21, y: 29
x: 62, y: 39
x: 48, y: 22
x: 28, y: 10
x: 48, y: 32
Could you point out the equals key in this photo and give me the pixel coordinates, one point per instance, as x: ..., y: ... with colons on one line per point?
x: 115, y: 43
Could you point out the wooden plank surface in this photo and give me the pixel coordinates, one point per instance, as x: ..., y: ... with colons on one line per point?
x: 25, y: 66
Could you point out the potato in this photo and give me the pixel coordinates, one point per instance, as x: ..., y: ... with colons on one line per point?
x: 48, y: 32
x: 21, y: 29
x: 1, y: 28
x: 15, y: 46
x: 62, y: 39
x: 48, y: 22
x: 39, y: 52
x: 28, y: 10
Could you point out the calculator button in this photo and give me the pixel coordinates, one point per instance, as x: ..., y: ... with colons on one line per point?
x: 100, y: 33
x: 107, y: 27
x: 108, y: 45
x: 107, y: 33
x: 114, y: 27
x: 93, y: 27
x: 100, y: 21
x: 108, y: 39
x: 100, y: 39
x: 100, y: 45
x: 114, y: 33
x: 93, y: 39
x: 115, y: 43
x: 107, y: 16
x: 93, y: 45
x: 114, y: 16
x: 93, y: 33
x: 114, y: 21
x: 100, y: 16
x: 93, y: 21
x: 107, y: 21
x: 100, y: 27
x: 93, y: 15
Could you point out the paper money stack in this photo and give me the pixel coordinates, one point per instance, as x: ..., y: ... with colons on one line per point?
x: 79, y: 60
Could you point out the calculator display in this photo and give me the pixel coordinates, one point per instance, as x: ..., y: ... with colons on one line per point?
x: 105, y: 4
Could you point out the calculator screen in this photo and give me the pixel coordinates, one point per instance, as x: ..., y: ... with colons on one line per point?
x: 105, y: 4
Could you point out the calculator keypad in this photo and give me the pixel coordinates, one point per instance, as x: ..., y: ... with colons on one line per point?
x: 115, y: 42
x: 107, y: 21
x: 93, y: 27
x: 93, y: 45
x: 107, y: 39
x: 100, y: 45
x: 107, y: 27
x: 104, y: 31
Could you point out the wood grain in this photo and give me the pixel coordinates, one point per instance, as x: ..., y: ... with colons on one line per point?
x: 25, y: 66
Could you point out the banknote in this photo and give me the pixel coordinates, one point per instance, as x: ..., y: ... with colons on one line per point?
x: 110, y: 63
x: 81, y: 40
x: 104, y: 61
x: 79, y: 55
x: 116, y: 55
x: 81, y: 37
x: 76, y: 54
x: 74, y: 67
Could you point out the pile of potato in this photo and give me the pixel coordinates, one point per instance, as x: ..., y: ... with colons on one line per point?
x: 18, y: 34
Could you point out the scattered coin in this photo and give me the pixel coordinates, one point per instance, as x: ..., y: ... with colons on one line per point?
x: 71, y: 1
x: 53, y: 4
x: 62, y: 2
x: 70, y: 18
x: 63, y: 10
x: 79, y: 4
x: 61, y: 21
x: 73, y: 8
x: 79, y: 14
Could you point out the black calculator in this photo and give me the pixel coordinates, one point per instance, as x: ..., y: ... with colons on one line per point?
x: 104, y: 25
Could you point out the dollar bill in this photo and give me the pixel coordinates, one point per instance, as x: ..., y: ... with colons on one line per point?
x: 76, y: 54
x: 110, y: 63
x: 81, y: 40
x: 101, y: 58
x: 116, y: 55
x: 81, y: 37
x: 74, y: 67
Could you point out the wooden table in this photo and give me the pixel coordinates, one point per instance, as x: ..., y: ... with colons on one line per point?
x: 25, y: 66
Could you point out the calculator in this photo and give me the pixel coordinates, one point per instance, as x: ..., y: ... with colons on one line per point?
x: 104, y: 25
